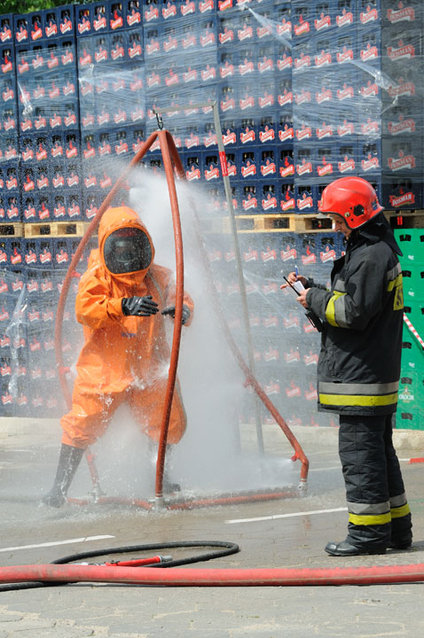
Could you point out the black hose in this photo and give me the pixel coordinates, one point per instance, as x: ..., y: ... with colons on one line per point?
x: 227, y: 549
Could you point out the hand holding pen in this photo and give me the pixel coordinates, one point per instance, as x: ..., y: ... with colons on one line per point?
x: 292, y: 277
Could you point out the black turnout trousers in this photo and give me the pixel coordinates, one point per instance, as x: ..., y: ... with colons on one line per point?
x: 375, y: 492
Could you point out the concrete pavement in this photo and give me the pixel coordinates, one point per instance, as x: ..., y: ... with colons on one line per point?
x: 285, y: 533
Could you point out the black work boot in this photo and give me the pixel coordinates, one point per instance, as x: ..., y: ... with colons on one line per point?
x: 345, y: 548
x: 401, y: 533
x: 69, y: 459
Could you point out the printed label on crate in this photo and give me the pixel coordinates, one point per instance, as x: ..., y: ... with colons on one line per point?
x: 250, y: 202
x: 402, y: 126
x: 267, y: 136
x: 401, y: 200
x: 346, y: 128
x: 206, y: 6
x: 304, y: 133
x: 310, y: 359
x: 325, y: 169
x: 345, y: 19
x: 269, y: 203
x: 271, y: 288
x: 322, y: 23
x: 266, y: 100
x: 370, y: 90
x: 151, y: 13
x: 328, y: 254
x: 188, y: 8
x: 68, y: 58
x: 303, y: 28
x: 371, y: 127
x: 59, y: 211
x: 304, y: 168
x: 401, y: 52
x: 266, y: 65
x: 369, y: 53
x: 193, y: 173
x: 287, y: 204
x: 304, y: 203
x: 8, y: 94
x: 249, y: 170
x: 302, y: 62
x: 401, y: 89
x: 250, y: 255
x: 326, y: 130
x: 269, y: 168
x: 284, y: 62
x: 346, y: 165
x: 370, y: 164
x: 169, y: 12
x: 285, y: 98
x: 369, y: 15
x: 6, y: 33
x: 401, y: 162
x: 406, y: 14
x: 303, y: 97
x: 344, y: 56
x: 268, y: 255
x: 323, y: 59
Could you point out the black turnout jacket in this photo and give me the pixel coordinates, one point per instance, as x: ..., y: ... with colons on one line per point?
x: 359, y: 363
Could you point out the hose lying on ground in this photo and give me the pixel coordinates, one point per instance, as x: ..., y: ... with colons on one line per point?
x: 224, y: 549
x: 62, y: 572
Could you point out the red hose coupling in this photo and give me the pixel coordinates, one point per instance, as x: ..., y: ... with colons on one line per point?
x: 140, y: 562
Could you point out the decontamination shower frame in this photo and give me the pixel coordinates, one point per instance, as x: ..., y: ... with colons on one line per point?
x: 172, y: 166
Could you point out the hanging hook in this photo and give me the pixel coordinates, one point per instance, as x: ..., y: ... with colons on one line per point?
x: 159, y: 120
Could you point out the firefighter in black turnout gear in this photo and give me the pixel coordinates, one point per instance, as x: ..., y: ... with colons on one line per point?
x: 359, y: 366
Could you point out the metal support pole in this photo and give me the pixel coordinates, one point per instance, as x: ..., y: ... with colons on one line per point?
x: 228, y: 195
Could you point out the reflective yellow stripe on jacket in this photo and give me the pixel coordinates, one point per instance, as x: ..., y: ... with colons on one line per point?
x: 331, y: 310
x: 358, y: 394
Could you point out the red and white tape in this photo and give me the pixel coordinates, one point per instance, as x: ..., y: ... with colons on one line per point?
x: 414, y: 332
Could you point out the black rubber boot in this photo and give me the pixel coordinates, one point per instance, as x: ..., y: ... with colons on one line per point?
x: 69, y: 460
x: 345, y: 548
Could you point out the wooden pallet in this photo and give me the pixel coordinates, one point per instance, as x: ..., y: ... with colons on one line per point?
x: 15, y: 229
x: 55, y: 229
x: 278, y: 223
x: 269, y: 224
x: 405, y: 218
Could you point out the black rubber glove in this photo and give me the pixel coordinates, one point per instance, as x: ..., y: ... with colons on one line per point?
x: 170, y: 310
x: 139, y: 306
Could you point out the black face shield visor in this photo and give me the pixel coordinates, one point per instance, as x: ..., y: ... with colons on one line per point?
x: 127, y: 250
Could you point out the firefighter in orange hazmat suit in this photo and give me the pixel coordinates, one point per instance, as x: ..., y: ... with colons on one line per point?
x: 125, y: 357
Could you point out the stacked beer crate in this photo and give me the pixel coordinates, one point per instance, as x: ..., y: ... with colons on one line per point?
x: 306, y: 92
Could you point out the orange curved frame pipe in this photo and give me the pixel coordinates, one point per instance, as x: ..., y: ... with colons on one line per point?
x: 188, y: 577
x: 164, y: 139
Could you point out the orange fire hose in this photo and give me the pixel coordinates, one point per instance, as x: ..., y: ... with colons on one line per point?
x: 189, y: 577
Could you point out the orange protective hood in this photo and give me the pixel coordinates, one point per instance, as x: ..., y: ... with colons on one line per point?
x: 115, y: 219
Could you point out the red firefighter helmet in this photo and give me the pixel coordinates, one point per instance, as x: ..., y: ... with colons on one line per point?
x: 353, y: 198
